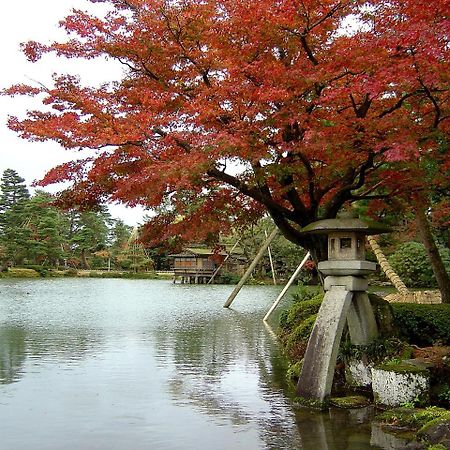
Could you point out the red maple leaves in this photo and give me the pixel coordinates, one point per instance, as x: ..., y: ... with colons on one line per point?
x: 230, y: 108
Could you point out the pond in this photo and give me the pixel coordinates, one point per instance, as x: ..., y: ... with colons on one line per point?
x: 144, y: 364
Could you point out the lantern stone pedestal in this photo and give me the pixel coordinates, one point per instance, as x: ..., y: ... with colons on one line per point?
x: 345, y: 302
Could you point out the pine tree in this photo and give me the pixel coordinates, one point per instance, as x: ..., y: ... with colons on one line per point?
x: 13, y: 199
x: 13, y: 190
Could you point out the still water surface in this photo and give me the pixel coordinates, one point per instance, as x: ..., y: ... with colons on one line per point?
x: 143, y: 364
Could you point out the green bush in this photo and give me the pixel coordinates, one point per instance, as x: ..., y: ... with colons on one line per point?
x: 411, y: 263
x: 229, y: 278
x: 300, y: 311
x: 303, y: 293
x: 300, y: 334
x: 423, y: 324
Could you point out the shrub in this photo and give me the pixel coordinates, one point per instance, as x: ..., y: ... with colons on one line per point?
x: 411, y: 263
x: 423, y: 324
x: 303, y: 293
x: 300, y: 311
x: 300, y: 335
x: 229, y: 278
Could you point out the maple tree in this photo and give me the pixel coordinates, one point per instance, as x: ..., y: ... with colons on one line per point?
x: 232, y: 108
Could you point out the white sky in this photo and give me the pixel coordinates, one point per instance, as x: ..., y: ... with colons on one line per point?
x: 21, y: 21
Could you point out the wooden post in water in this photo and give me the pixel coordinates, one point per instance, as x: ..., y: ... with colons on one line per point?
x: 271, y: 262
x: 250, y: 269
x: 288, y: 285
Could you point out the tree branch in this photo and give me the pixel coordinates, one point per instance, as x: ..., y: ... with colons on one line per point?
x: 252, y: 192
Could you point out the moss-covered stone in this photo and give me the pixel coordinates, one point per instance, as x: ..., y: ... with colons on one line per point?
x: 413, y: 418
x: 310, y: 403
x: 443, y: 418
x: 402, y: 367
x: 384, y: 316
x: 350, y: 401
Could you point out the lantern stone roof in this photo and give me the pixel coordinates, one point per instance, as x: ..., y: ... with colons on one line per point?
x: 346, y: 221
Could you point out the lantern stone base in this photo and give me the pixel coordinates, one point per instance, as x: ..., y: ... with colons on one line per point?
x: 316, y: 377
x: 340, y: 305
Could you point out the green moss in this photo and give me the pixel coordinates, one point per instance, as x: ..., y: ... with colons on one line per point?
x: 301, y: 333
x: 309, y: 403
x: 441, y: 416
x: 350, y: 401
x: 413, y: 418
x: 301, y: 311
x: 294, y: 370
x: 401, y: 367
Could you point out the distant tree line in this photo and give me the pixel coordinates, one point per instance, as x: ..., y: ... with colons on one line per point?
x: 34, y: 232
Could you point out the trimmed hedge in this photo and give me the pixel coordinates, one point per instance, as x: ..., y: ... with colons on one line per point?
x: 422, y: 324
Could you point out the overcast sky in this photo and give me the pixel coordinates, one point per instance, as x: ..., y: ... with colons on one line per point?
x: 24, y: 20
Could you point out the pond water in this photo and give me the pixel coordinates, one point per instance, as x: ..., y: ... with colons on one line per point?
x: 143, y: 364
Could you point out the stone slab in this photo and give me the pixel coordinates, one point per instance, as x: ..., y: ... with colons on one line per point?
x: 346, y: 267
x: 350, y: 283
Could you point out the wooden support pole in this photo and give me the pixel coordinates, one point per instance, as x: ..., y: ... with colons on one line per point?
x: 285, y: 289
x: 271, y: 263
x: 250, y: 269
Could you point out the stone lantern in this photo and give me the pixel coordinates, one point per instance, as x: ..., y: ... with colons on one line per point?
x: 346, y: 245
x: 345, y: 301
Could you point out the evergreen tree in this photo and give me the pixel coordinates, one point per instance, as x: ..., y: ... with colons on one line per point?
x: 13, y: 198
x: 90, y: 232
x: 48, y: 230
x: 13, y: 190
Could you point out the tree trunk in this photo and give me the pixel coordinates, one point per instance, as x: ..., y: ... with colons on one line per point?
x: 84, y: 262
x: 386, y: 267
x: 442, y: 277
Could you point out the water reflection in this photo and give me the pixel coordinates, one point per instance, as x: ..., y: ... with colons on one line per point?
x: 43, y: 346
x: 336, y: 429
x: 229, y: 369
x: 12, y: 353
x: 100, y: 364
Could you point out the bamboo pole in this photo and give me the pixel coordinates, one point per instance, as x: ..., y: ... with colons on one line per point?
x: 223, y: 262
x: 271, y: 262
x: 249, y: 271
x: 288, y: 285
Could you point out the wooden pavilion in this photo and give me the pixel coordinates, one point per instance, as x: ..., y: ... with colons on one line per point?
x: 198, y: 264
